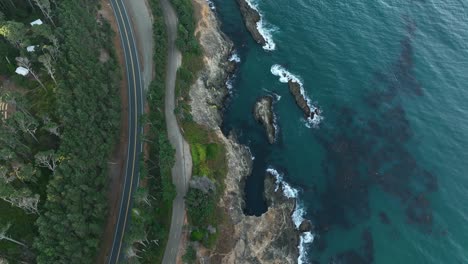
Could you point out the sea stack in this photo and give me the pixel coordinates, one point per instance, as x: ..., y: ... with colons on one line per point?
x: 263, y: 113
x: 295, y: 89
x: 251, y: 17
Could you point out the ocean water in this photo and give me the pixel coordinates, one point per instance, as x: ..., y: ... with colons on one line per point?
x: 383, y: 174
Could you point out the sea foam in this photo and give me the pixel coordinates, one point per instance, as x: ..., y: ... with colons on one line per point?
x: 211, y: 5
x: 305, y: 238
x: 285, y: 76
x: 264, y: 28
x: 298, y: 214
x: 229, y: 83
x: 235, y: 57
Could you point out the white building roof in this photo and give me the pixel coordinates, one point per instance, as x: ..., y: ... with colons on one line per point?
x: 36, y: 22
x: 30, y: 48
x: 22, y: 71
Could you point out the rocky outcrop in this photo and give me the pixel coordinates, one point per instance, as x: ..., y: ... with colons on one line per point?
x: 263, y: 113
x: 208, y: 92
x: 251, y: 18
x: 269, y: 238
x: 203, y: 184
x: 295, y: 89
x: 306, y: 226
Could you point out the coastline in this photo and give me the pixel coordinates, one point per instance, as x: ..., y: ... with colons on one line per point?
x: 272, y: 237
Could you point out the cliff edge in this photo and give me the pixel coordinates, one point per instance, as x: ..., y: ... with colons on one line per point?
x: 270, y: 238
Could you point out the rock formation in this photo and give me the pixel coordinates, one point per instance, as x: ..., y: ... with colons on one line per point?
x: 306, y: 226
x: 208, y: 92
x: 263, y: 113
x: 269, y: 238
x: 295, y: 89
x: 251, y: 18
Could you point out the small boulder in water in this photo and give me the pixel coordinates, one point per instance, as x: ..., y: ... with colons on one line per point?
x: 263, y: 113
x: 306, y: 226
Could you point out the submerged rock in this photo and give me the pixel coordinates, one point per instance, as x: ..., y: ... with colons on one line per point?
x: 295, y: 89
x: 251, y: 17
x: 263, y: 113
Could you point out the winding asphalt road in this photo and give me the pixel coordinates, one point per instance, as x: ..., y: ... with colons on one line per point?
x: 135, y: 105
x: 182, y: 169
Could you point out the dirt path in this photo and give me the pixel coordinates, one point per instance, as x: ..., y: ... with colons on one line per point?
x: 183, y: 166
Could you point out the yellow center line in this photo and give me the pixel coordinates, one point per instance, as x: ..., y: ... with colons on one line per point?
x: 135, y: 138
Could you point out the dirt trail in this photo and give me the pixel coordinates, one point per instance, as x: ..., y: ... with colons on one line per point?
x: 182, y: 169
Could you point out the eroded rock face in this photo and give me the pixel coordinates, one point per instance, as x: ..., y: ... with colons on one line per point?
x: 251, y: 17
x: 269, y: 238
x: 208, y: 92
x: 263, y: 113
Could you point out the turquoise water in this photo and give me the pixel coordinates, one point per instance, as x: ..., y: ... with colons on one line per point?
x: 384, y: 176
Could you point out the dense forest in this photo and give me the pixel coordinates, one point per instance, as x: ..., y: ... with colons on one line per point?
x: 57, y: 131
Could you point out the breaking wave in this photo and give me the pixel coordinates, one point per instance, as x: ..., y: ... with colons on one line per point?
x: 298, y: 214
x: 229, y: 83
x: 234, y: 57
x: 211, y: 5
x: 285, y: 76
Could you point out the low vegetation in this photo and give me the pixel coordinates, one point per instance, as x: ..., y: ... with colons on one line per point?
x: 208, y: 153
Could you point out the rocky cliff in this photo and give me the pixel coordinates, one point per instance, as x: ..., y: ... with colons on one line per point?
x: 269, y: 238
x: 263, y: 113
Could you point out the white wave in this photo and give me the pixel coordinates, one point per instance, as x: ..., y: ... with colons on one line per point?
x: 250, y: 153
x: 264, y: 28
x: 211, y: 5
x: 266, y: 31
x: 288, y: 191
x: 285, y: 76
x: 305, y: 238
x: 298, y: 214
x: 235, y: 57
x: 277, y: 97
x: 229, y: 84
